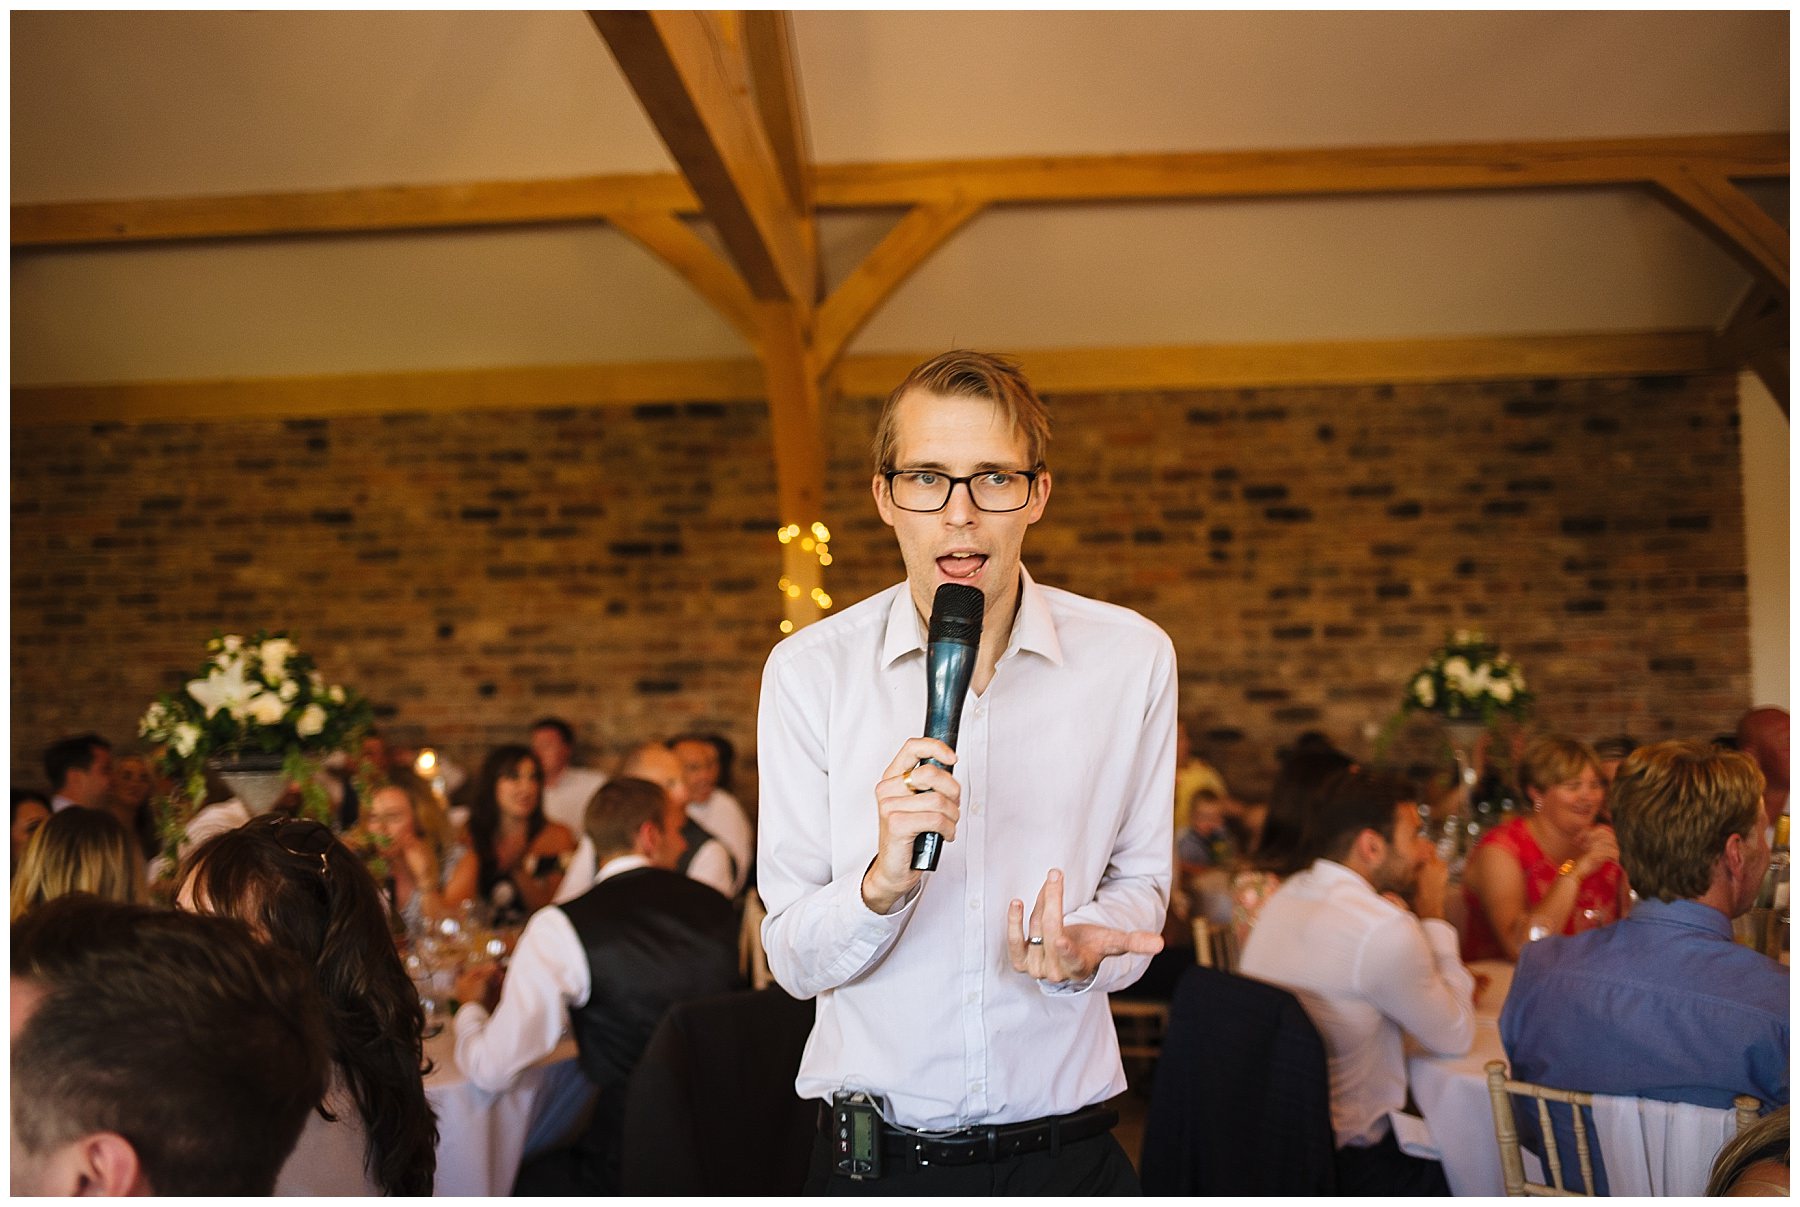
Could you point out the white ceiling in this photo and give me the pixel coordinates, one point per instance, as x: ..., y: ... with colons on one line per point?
x: 117, y: 105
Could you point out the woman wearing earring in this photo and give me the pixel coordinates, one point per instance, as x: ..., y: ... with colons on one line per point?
x: 1554, y: 870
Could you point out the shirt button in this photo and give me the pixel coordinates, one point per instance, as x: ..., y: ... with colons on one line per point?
x: 973, y: 998
x: 975, y: 907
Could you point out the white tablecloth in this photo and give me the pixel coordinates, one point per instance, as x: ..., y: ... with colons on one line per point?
x: 1451, y: 1092
x: 483, y: 1137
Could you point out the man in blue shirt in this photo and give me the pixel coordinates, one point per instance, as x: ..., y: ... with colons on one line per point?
x: 1663, y: 1004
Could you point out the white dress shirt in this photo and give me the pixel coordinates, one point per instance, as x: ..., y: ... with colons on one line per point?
x: 1366, y: 970
x: 548, y: 977
x: 711, y: 866
x: 566, y: 801
x: 721, y: 816
x: 1066, y: 761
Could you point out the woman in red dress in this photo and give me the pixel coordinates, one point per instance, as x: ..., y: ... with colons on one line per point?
x: 1552, y: 871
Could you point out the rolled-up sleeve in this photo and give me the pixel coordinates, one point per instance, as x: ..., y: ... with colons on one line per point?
x: 1411, y: 972
x: 548, y: 975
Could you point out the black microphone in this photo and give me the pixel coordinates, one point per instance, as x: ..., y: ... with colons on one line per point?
x: 950, y: 646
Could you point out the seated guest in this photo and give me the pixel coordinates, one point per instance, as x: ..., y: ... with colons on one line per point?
x: 1553, y: 871
x: 705, y: 858
x: 520, y: 854
x: 78, y: 851
x: 30, y: 809
x: 1368, y: 970
x: 1191, y: 775
x: 1279, y: 854
x: 156, y: 1053
x: 433, y: 872
x: 1754, y: 1163
x: 80, y: 772
x: 610, y: 962
x: 713, y: 813
x: 300, y: 890
x: 1611, y: 752
x: 1762, y: 733
x: 1664, y: 1005
x: 132, y: 786
x: 1207, y: 844
x: 567, y: 788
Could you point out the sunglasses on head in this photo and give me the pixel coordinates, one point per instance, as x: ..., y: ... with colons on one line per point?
x: 307, y: 839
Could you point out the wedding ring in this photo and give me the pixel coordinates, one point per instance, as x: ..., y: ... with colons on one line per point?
x: 907, y: 780
x: 1036, y: 940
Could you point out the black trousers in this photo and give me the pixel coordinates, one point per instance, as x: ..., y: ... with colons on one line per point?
x: 1382, y: 1169
x: 1095, y: 1166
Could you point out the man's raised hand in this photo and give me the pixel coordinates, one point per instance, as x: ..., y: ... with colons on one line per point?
x: 1052, y: 951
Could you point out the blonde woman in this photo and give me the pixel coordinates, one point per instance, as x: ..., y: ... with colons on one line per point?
x: 1554, y: 870
x: 434, y: 872
x: 78, y: 851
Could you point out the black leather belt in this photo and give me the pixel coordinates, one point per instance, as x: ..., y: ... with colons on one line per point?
x: 976, y: 1145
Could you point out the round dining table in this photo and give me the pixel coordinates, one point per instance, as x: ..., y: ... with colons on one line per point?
x: 1451, y: 1092
x: 483, y: 1138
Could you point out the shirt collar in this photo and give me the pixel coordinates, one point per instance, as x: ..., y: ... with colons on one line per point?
x: 1331, y: 869
x: 620, y: 863
x: 1033, y: 629
x: 1690, y: 915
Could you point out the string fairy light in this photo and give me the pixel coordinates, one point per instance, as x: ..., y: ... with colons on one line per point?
x: 816, y: 540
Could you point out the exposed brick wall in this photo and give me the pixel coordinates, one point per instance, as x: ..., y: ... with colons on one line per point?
x: 1304, y: 547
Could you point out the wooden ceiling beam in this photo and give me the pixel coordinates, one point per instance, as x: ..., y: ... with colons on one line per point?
x: 775, y: 78
x: 1291, y: 173
x: 1725, y: 212
x: 1477, y: 358
x: 348, y: 211
x: 678, y: 245
x: 694, y: 85
x: 856, y: 299
x: 1756, y: 337
x: 1108, y: 178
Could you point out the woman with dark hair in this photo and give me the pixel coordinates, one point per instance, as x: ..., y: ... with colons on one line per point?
x: 301, y: 890
x: 520, y: 853
x: 1281, y: 852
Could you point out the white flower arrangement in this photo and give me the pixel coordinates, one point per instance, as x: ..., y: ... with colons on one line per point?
x: 1468, y: 678
x: 253, y: 696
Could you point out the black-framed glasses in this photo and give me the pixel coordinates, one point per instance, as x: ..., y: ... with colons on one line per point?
x: 990, y: 490
x: 307, y: 839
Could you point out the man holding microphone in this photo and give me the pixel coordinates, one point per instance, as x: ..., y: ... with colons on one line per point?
x: 963, y: 1042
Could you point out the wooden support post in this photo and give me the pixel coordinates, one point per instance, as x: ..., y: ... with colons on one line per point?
x: 795, y: 426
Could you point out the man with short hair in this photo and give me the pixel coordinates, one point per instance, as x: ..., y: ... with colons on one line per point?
x: 1762, y: 733
x: 80, y: 772
x: 1663, y: 1004
x: 704, y: 857
x: 637, y: 938
x: 1369, y: 969
x: 567, y: 788
x: 156, y: 1052
x: 713, y: 813
x: 943, y: 1003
